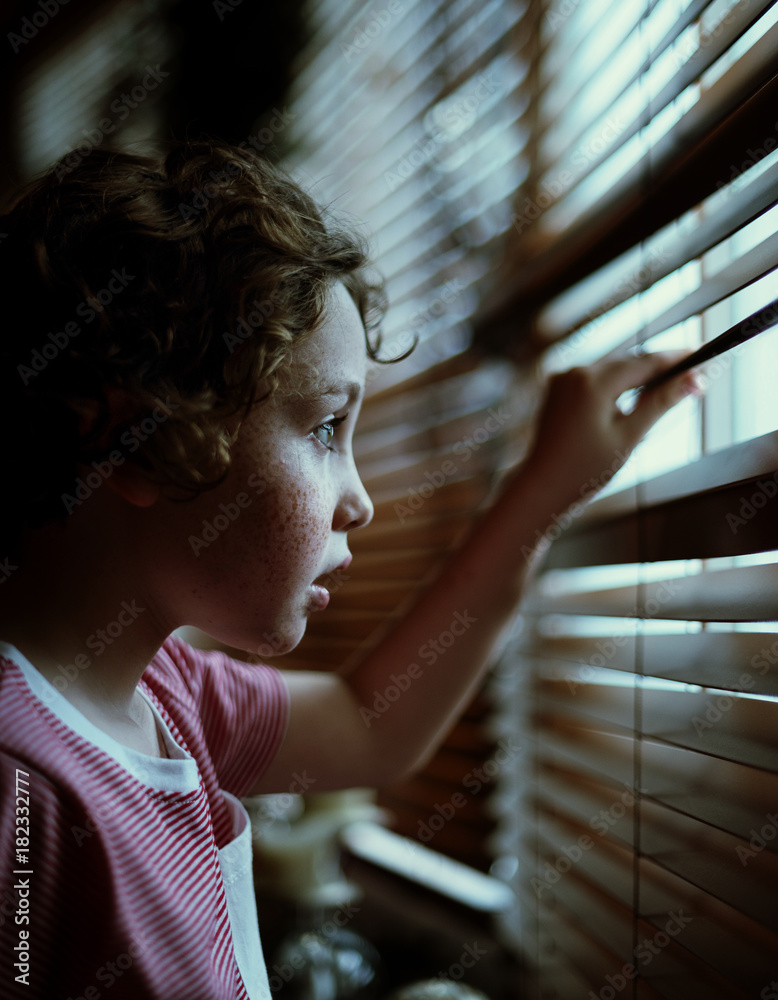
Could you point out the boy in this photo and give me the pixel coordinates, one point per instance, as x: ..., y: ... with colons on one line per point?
x: 195, y: 344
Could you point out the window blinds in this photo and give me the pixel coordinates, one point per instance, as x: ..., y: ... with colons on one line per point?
x: 94, y: 78
x: 411, y: 117
x: 645, y: 675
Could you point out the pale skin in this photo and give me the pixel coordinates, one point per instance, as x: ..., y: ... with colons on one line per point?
x: 128, y: 542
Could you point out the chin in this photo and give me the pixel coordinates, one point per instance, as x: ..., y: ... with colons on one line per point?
x: 277, y: 643
x: 275, y: 633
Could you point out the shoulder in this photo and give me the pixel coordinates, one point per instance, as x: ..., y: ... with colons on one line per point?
x: 177, y: 662
x: 32, y: 737
x: 187, y: 672
x: 227, y: 699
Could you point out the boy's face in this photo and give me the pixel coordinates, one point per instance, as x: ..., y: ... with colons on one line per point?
x: 278, y: 526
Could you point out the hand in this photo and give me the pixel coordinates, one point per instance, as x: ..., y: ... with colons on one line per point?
x: 582, y: 437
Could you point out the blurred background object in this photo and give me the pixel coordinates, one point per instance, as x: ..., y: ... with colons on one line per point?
x: 312, y: 952
x: 437, y: 989
x: 134, y: 72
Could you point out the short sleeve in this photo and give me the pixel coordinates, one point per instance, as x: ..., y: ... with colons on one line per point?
x: 242, y: 709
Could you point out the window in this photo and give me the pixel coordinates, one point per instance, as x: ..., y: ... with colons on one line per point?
x: 645, y: 674
x: 618, y: 190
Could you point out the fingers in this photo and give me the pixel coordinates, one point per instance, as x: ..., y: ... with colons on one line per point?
x: 656, y: 402
x: 630, y: 373
x: 580, y: 424
x: 617, y: 377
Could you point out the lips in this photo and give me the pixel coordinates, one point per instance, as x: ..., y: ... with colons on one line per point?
x: 320, y: 597
x: 330, y: 580
x: 333, y: 576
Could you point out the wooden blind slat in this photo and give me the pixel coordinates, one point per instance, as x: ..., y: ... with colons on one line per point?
x: 607, y: 923
x: 607, y: 863
x: 744, y: 270
x: 662, y: 255
x: 730, y: 727
x: 599, y: 755
x: 733, y: 797
x: 717, y: 933
x: 716, y: 131
x: 600, y: 809
x: 592, y: 960
x: 708, y: 859
x: 447, y: 501
x: 696, y: 527
x: 744, y: 594
x: 740, y: 464
x: 599, y: 707
x: 422, y: 531
x: 737, y: 729
x: 735, y: 661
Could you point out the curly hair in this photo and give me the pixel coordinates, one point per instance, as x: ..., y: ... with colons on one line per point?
x: 176, y: 284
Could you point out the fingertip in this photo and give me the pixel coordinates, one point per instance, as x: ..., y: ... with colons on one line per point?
x: 697, y: 384
x: 689, y: 384
x: 655, y: 403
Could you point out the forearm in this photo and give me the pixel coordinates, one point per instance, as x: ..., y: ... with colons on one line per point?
x: 582, y: 440
x: 379, y: 721
x: 412, y: 686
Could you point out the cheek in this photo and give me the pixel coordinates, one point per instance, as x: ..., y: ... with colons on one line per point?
x: 298, y: 527
x: 289, y: 531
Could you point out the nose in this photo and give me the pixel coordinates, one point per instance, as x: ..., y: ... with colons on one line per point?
x: 355, y: 509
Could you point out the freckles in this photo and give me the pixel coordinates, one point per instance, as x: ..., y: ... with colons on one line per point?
x: 284, y: 536
x: 302, y: 521
x: 290, y: 524
x: 307, y: 534
x: 293, y: 507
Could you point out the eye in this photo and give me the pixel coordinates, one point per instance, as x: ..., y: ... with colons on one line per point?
x: 325, y: 433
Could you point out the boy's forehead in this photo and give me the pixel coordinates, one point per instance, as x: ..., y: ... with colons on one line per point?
x: 317, y: 387
x: 332, y: 359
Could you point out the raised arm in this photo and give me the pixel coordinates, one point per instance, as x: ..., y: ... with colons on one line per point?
x: 581, y: 437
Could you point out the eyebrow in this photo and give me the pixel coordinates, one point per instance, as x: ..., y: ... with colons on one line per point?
x: 319, y: 389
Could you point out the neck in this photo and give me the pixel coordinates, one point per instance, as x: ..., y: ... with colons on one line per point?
x: 89, y: 629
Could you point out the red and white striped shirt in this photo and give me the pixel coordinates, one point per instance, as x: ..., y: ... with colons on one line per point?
x: 130, y: 876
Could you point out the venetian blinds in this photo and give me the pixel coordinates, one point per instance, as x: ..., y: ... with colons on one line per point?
x: 99, y: 78
x: 645, y: 675
x: 410, y: 116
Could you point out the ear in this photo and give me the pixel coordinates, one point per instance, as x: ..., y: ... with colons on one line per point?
x: 127, y: 479
x: 120, y: 404
x: 130, y: 483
